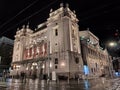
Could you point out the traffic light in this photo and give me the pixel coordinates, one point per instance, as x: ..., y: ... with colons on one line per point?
x: 116, y: 34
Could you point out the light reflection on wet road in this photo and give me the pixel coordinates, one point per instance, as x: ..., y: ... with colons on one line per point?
x: 30, y: 84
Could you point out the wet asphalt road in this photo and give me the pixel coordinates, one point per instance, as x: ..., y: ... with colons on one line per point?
x: 17, y: 84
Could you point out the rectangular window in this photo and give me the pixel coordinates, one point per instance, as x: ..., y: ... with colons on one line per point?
x: 56, y: 67
x: 56, y: 60
x: 56, y: 32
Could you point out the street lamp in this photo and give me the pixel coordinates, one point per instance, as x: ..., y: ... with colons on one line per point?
x: 112, y: 47
x: 112, y: 44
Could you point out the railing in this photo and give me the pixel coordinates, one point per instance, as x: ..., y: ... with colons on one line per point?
x: 3, y: 82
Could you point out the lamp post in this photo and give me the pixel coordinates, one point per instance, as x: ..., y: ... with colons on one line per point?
x: 0, y: 59
x: 48, y: 56
x: 111, y: 67
x: 48, y: 50
x: 111, y: 47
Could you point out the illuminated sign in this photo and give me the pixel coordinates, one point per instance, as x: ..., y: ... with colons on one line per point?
x: 86, y: 70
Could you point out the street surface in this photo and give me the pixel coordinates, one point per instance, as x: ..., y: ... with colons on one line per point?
x: 30, y: 84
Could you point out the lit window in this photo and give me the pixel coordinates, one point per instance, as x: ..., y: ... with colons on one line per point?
x: 38, y: 50
x: 32, y: 51
x: 28, y: 52
x: 62, y: 64
x: 43, y: 66
x: 86, y: 70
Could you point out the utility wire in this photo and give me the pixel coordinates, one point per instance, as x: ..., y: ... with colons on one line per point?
x: 29, y: 17
x: 88, y: 14
x: 99, y: 8
x: 18, y: 13
x: 100, y: 13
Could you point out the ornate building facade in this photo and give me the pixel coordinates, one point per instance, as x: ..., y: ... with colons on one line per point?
x: 95, y: 59
x: 54, y: 47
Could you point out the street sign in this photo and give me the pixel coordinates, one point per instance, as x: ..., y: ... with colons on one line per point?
x: 54, y: 76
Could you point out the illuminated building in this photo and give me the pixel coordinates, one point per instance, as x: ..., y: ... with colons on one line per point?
x: 58, y: 36
x: 96, y: 60
x: 57, y: 40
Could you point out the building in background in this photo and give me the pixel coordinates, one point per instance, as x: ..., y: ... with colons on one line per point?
x: 96, y: 60
x: 55, y: 46
x: 6, y: 50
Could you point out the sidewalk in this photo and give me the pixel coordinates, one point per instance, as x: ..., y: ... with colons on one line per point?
x: 3, y: 82
x: 115, y: 84
x: 90, y: 84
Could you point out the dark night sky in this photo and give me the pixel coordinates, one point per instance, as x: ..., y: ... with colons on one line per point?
x: 101, y: 16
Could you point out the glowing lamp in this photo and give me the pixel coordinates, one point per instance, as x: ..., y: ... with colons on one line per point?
x: 62, y: 64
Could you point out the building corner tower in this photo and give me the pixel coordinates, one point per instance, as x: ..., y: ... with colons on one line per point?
x: 65, y: 52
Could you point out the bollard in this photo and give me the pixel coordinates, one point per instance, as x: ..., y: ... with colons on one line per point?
x: 42, y: 83
x: 68, y: 81
x: 48, y: 80
x: 78, y: 80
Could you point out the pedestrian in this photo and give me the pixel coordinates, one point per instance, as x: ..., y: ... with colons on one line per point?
x: 83, y: 77
x: 22, y: 76
x: 103, y: 80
